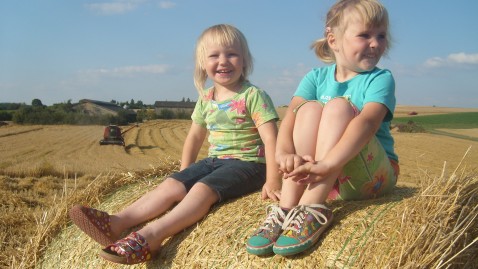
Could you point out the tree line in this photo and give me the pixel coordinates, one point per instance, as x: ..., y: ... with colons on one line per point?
x: 65, y: 113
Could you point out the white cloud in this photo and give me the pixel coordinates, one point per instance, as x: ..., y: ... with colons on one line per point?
x: 166, y: 4
x: 114, y: 7
x: 460, y: 58
x: 129, y: 70
x: 463, y: 58
x: 435, y: 62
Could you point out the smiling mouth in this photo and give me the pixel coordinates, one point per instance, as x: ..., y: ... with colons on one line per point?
x: 223, y: 71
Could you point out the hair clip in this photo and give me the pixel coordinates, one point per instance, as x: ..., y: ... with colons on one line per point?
x: 328, y: 30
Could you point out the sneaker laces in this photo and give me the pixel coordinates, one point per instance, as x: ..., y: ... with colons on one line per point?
x: 294, y: 220
x: 275, y: 217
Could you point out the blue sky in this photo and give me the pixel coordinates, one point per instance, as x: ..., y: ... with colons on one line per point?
x: 58, y: 50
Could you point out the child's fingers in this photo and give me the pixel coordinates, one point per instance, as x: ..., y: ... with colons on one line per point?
x: 291, y: 162
x: 274, y: 195
x: 296, y: 176
x: 308, y: 158
x: 300, y: 170
x: 264, y: 194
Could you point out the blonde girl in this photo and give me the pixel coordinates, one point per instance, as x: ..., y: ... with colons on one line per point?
x: 334, y: 141
x: 241, y: 120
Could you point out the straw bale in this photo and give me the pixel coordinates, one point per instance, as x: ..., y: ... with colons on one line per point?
x: 431, y: 226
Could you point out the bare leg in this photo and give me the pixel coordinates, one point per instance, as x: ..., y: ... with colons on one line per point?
x: 306, y: 125
x: 195, y: 205
x: 336, y: 116
x: 149, y: 206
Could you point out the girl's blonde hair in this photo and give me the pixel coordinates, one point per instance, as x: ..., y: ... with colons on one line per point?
x: 372, y: 13
x: 224, y: 35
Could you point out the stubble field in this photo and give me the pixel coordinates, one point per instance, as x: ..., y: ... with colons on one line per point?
x: 39, y: 162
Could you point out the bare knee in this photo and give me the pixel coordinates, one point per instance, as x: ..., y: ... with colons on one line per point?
x: 306, y: 125
x: 339, y: 107
x: 204, y: 193
x: 172, y: 188
x: 308, y: 116
x: 309, y: 110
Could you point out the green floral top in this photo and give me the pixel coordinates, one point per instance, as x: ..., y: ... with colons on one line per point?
x: 233, y: 123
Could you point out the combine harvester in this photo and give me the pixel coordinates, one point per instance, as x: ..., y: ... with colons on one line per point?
x: 114, y: 136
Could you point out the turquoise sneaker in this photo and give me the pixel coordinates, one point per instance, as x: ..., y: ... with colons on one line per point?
x: 302, y: 228
x: 262, y: 241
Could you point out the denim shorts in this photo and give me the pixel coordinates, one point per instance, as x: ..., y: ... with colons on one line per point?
x: 230, y: 178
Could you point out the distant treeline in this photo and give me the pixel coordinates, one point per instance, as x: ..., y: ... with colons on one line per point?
x: 58, y: 114
x: 64, y: 113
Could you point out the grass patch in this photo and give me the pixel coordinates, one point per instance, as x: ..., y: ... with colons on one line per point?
x: 464, y: 120
x: 430, y: 124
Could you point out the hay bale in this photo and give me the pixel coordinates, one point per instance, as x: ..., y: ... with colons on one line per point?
x: 432, y: 226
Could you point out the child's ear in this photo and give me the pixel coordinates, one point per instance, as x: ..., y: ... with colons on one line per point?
x: 332, y: 41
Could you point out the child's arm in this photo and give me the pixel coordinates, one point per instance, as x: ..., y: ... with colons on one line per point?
x: 358, y: 133
x: 286, y: 155
x: 192, y: 144
x: 272, y: 187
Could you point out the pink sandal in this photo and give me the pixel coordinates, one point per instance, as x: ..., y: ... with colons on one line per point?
x: 95, y: 223
x: 135, y: 247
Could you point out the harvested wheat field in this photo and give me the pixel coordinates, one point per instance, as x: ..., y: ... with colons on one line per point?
x: 430, y: 221
x: 75, y: 150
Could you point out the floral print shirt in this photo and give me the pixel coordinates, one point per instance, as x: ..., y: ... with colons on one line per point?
x: 233, y: 123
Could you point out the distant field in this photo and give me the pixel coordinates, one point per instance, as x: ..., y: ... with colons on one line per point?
x: 461, y: 120
x: 460, y: 125
x: 39, y: 162
x: 403, y: 111
x: 75, y: 150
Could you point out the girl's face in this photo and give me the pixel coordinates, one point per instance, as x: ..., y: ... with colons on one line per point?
x: 224, y: 64
x: 359, y: 49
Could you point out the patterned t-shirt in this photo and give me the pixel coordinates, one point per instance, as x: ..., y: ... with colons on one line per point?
x: 233, y: 123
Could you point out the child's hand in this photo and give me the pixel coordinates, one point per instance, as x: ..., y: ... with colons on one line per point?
x: 289, y: 162
x: 310, y: 172
x: 301, y: 173
x: 272, y: 190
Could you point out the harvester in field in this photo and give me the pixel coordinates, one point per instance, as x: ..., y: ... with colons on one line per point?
x: 113, y: 135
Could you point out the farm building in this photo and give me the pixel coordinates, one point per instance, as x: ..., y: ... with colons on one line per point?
x: 184, y: 107
x: 95, y: 108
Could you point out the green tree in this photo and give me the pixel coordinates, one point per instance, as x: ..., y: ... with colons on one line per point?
x: 37, y: 102
x: 5, y: 115
x: 166, y: 114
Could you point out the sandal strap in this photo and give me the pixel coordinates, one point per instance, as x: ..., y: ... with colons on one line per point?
x: 135, y: 247
x: 134, y: 241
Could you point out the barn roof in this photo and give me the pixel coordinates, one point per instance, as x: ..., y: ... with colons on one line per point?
x: 105, y: 105
x: 174, y: 104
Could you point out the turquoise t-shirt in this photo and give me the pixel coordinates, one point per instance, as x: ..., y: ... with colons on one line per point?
x: 376, y: 85
x: 233, y: 123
